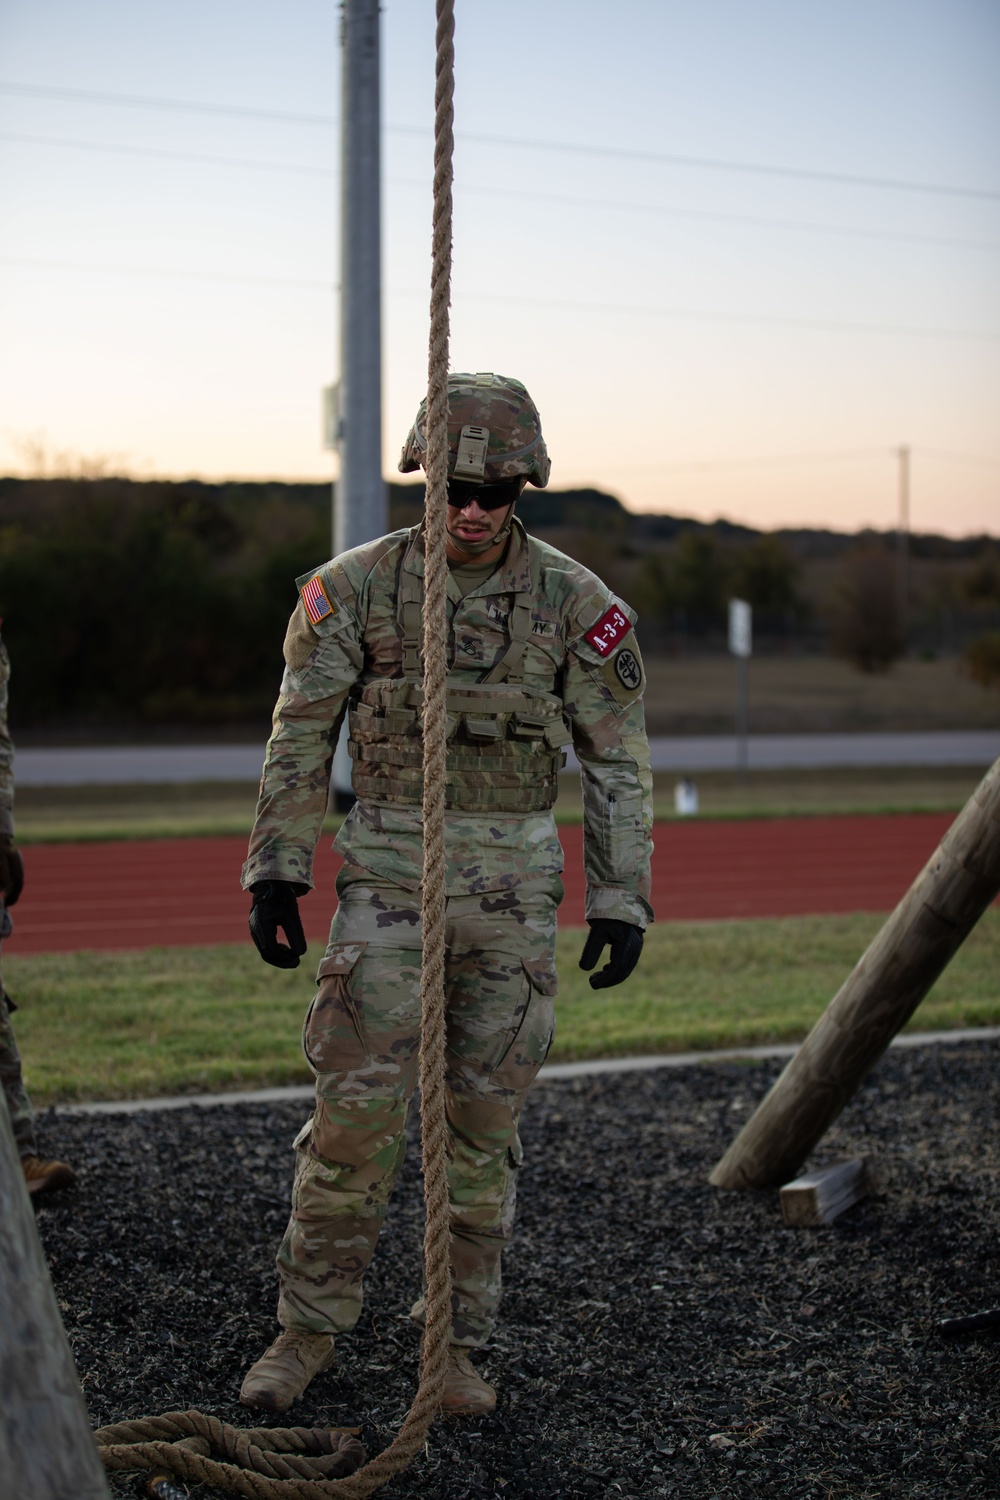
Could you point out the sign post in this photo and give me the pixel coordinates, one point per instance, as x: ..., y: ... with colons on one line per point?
x: 741, y: 646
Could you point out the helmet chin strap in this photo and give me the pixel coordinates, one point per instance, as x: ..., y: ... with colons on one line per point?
x: 474, y: 549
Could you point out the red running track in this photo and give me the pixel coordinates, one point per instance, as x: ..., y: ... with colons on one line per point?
x: 183, y: 892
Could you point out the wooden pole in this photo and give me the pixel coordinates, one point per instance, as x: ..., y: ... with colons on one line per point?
x: 47, y: 1450
x: 917, y: 942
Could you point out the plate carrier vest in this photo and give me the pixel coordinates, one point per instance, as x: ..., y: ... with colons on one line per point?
x: 505, y: 741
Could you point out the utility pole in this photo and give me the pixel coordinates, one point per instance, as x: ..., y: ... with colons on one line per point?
x: 903, y: 539
x: 360, y: 503
x: 360, y: 509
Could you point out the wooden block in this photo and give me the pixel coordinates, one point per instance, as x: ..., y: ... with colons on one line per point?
x: 819, y: 1196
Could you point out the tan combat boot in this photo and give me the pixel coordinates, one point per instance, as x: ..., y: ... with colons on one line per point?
x: 281, y: 1375
x: 42, y: 1176
x: 466, y: 1393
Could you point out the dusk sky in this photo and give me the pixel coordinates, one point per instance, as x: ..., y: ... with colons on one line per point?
x: 740, y: 254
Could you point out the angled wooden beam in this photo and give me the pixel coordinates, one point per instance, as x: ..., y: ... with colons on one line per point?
x: 47, y: 1449
x: 931, y: 922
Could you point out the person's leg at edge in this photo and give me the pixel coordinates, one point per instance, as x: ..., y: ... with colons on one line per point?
x: 41, y: 1174
x: 12, y: 1082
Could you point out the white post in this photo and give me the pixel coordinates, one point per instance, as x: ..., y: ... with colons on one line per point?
x: 740, y: 645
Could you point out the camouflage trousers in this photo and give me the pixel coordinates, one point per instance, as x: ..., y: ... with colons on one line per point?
x: 362, y: 1037
x: 11, y: 1079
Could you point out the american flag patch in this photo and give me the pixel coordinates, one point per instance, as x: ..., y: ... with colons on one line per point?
x: 609, y: 630
x: 315, y: 599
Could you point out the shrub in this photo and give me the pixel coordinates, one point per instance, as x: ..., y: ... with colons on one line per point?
x: 866, y: 625
x: 981, y: 660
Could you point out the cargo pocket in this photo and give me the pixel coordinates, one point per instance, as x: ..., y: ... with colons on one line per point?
x: 334, y: 1038
x: 531, y: 1040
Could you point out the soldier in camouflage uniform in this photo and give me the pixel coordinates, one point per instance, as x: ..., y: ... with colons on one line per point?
x: 541, y: 655
x: 40, y: 1175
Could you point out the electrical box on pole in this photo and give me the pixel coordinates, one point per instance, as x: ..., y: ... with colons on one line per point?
x: 331, y: 419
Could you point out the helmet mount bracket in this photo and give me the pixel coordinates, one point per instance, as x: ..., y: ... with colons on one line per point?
x: 470, y: 460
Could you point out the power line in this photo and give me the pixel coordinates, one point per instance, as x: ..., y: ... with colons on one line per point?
x: 757, y: 221
x: 162, y: 272
x: 116, y: 149
x: 795, y: 460
x: 702, y: 315
x: 766, y: 461
x: 717, y: 164
x: 149, y: 101
x: 705, y: 163
x: 680, y: 314
x: 979, y: 459
x: 470, y: 190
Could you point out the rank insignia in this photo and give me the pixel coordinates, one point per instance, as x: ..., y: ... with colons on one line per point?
x: 314, y: 597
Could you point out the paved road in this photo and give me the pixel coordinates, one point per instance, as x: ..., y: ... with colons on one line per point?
x: 125, y: 765
x: 185, y: 892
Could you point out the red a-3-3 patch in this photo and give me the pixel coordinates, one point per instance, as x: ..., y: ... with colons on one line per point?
x: 316, y: 601
x: 609, y: 631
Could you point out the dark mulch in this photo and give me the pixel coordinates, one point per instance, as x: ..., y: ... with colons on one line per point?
x: 658, y: 1337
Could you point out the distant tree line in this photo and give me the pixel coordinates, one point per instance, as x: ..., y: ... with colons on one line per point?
x: 153, y: 603
x: 150, y: 603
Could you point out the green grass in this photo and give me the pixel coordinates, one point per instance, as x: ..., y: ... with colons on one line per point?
x: 176, y: 1020
x: 792, y: 694
x: 96, y: 813
x: 71, y: 814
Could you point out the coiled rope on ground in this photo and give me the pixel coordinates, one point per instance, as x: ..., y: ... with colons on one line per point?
x: 296, y: 1463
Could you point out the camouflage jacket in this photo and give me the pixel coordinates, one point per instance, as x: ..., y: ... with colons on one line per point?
x: 581, y: 648
x: 6, y: 752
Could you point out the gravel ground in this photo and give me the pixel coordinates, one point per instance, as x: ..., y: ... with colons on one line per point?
x: 658, y: 1337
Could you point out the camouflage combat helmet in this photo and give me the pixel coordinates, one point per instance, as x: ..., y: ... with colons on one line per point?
x: 494, y: 432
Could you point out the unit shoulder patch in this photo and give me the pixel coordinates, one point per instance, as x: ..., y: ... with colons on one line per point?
x: 628, y: 669
x: 622, y: 674
x: 609, y: 631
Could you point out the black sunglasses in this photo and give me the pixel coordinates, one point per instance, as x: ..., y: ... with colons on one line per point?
x: 487, y: 496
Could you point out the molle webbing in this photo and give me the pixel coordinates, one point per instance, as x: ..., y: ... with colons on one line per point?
x: 410, y: 597
x: 510, y: 667
x: 504, y: 746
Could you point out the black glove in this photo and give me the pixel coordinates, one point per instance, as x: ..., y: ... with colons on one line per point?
x: 275, y: 905
x: 625, y: 942
x: 11, y: 872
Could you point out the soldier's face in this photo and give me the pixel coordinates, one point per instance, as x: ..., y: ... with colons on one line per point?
x: 470, y: 523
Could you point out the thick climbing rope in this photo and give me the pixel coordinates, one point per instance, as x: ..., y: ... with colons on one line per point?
x: 295, y: 1463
